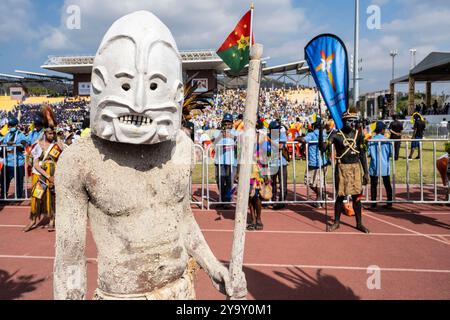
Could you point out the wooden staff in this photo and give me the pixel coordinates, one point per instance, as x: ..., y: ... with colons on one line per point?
x: 247, y: 143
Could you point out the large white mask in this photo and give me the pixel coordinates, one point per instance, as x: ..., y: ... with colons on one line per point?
x: 137, y: 91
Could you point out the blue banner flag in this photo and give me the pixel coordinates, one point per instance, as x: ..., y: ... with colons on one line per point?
x: 328, y: 63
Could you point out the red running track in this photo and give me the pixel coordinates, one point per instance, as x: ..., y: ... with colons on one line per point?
x: 293, y: 258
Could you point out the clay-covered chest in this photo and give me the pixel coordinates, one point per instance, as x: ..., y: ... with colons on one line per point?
x: 119, y: 189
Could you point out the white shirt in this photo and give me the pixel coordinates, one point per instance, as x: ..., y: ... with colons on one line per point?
x: 36, y: 153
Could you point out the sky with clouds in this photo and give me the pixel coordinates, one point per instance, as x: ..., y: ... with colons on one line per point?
x: 31, y: 30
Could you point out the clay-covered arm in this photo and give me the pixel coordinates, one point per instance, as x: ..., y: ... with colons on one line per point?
x: 71, y: 217
x: 198, y: 248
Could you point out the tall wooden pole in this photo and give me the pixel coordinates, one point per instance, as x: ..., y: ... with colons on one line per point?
x: 247, y: 147
x: 411, y: 95
x: 392, y: 105
x: 428, y: 94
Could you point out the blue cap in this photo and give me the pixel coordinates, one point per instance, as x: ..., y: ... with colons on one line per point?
x: 227, y: 118
x: 12, y: 122
x: 380, y: 126
x: 37, y: 120
x: 274, y: 125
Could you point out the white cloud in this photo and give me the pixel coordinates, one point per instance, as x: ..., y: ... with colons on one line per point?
x: 282, y: 27
x: 196, y: 24
x: 425, y: 29
x: 15, y: 19
x: 55, y: 40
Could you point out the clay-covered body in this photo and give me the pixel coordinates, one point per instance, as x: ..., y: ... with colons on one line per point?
x: 138, y: 204
x: 131, y: 178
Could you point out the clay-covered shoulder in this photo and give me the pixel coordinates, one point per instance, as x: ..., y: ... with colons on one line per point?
x: 184, y: 149
x: 78, y: 154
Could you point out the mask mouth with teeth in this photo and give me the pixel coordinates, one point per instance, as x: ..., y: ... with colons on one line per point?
x: 137, y: 92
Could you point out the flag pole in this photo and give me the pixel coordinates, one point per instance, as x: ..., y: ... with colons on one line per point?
x: 252, y: 7
x: 322, y: 154
x: 247, y: 143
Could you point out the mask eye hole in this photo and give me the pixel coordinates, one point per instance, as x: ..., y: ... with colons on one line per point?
x: 153, y: 86
x: 126, y: 86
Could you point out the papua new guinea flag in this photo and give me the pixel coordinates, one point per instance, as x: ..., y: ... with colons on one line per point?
x: 328, y: 63
x: 235, y: 51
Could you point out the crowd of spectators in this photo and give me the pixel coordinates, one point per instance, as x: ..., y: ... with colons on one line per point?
x: 434, y: 109
x: 289, y: 104
x: 66, y: 112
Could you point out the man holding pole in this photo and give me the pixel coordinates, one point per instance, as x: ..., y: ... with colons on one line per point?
x: 350, y: 157
x: 327, y: 58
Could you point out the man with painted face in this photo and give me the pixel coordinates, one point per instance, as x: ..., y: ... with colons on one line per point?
x: 131, y: 177
x: 350, y: 157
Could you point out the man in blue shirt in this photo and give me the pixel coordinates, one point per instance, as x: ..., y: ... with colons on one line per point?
x: 34, y: 135
x: 278, y: 163
x: 14, y: 162
x: 314, y: 178
x: 380, y: 166
x: 225, y: 142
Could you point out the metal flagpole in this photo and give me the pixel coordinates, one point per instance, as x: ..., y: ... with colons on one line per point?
x: 322, y: 153
x: 356, y: 57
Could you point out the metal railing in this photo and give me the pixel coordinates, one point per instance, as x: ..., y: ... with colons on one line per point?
x: 10, y: 171
x: 198, y: 156
x: 412, y: 189
x: 419, y: 191
x: 408, y: 184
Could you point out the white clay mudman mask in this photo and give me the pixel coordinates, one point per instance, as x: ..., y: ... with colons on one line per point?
x: 137, y: 91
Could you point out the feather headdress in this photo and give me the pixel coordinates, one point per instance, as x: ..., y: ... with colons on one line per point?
x: 48, y: 116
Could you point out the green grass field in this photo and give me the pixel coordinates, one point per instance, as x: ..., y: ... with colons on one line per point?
x: 400, y: 167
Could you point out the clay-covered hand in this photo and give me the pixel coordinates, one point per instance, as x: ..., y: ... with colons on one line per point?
x: 221, y: 279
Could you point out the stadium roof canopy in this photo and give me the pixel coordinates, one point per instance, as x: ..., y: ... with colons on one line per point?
x: 10, y: 78
x: 300, y: 67
x: 435, y: 67
x: 28, y: 76
x: 192, y: 60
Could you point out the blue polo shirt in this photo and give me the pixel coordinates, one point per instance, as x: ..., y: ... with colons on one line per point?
x: 33, y: 136
x: 17, y: 138
x: 225, y: 147
x: 314, y: 159
x: 386, y: 154
x: 275, y: 160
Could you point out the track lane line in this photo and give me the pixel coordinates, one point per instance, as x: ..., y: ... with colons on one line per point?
x: 298, y: 232
x: 406, y: 229
x: 267, y: 265
x: 197, y: 210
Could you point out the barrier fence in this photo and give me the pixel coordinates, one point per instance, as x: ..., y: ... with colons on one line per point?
x: 11, y: 167
x: 440, y: 194
x: 224, y: 161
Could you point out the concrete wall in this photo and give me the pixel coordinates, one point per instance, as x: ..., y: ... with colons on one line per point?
x: 77, y: 78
